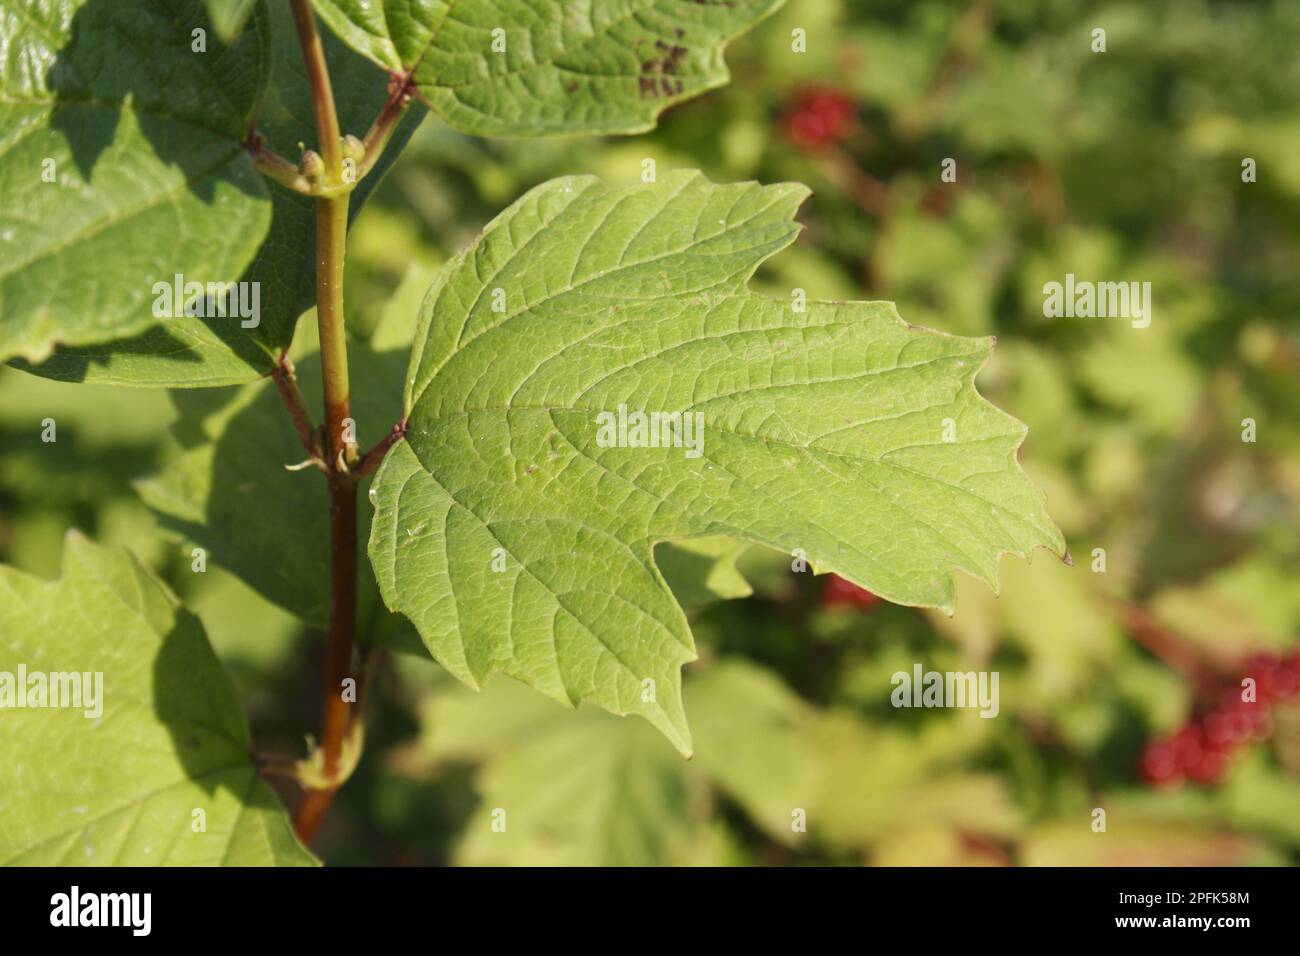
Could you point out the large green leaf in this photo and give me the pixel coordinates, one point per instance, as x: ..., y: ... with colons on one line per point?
x: 142, y: 138
x: 191, y: 352
x: 122, y: 786
x: 824, y: 430
x: 604, y: 66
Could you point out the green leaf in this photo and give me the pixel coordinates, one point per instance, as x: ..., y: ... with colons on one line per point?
x: 121, y: 786
x: 148, y: 175
x: 599, y: 67
x: 823, y: 429
x: 229, y: 16
x: 191, y: 352
x: 624, y: 797
x: 772, y: 752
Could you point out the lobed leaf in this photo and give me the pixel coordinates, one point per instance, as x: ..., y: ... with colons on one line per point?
x: 518, y: 539
x: 122, y: 787
x: 596, y: 66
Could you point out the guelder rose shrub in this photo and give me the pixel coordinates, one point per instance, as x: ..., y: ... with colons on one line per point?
x: 591, y: 377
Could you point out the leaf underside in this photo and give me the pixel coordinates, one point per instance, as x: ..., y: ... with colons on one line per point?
x: 601, y: 66
x: 122, y: 788
x: 824, y: 429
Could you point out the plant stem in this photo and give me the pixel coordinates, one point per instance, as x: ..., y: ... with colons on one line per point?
x: 400, y: 91
x: 322, y: 94
x: 331, y: 241
x: 270, y: 163
x: 286, y: 381
x: 336, y: 715
x: 371, y: 459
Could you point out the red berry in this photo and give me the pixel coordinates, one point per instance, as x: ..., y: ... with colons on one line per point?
x: 818, y: 117
x: 1286, y: 680
x: 1220, y: 728
x: 1160, y: 765
x: 1203, y: 748
x: 1187, y: 746
x: 840, y: 592
x: 1209, y: 769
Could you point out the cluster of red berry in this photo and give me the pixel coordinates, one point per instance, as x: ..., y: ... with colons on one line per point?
x: 842, y: 593
x: 1203, y: 748
x: 818, y: 117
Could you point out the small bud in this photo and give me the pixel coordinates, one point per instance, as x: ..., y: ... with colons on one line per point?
x: 311, y: 165
x: 353, y: 148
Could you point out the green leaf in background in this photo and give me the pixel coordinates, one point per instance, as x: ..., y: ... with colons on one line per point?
x: 189, y: 352
x: 227, y: 490
x: 858, y: 782
x: 1142, y: 842
x: 517, y: 540
x: 703, y: 570
x: 229, y: 16
x: 600, y: 67
x: 121, y: 786
x: 1251, y: 606
x: 624, y: 797
x: 112, y: 179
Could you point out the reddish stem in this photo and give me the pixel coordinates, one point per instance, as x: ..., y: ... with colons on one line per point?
x: 371, y: 459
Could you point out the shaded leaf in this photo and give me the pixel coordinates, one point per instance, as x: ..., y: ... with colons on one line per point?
x: 229, y: 16
x: 226, y: 489
x: 192, y: 352
x: 622, y: 797
x: 120, y: 787
x: 703, y: 570
x: 149, y: 177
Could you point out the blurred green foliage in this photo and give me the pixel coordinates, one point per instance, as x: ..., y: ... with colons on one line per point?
x: 1122, y: 165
